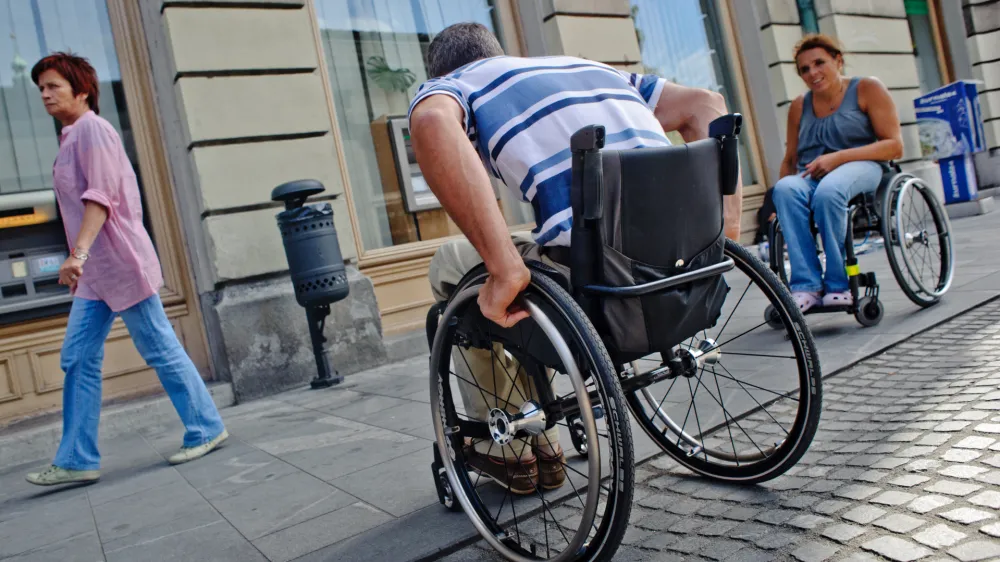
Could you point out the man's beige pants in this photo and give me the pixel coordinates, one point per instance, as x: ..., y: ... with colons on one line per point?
x: 494, y: 372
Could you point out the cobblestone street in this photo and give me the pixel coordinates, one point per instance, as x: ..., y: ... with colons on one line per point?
x: 905, y: 466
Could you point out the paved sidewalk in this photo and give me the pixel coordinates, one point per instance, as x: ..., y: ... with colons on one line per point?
x: 905, y: 466
x: 343, y: 474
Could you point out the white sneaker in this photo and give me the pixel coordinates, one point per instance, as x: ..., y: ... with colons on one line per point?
x: 191, y: 453
x: 53, y: 476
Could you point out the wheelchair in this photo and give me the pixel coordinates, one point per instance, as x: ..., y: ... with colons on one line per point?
x: 917, y: 238
x: 649, y: 323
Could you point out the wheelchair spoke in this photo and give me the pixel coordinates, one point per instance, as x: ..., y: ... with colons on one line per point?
x: 737, y: 305
x: 563, y: 424
x: 513, y: 381
x: 725, y: 417
x: 694, y: 404
x: 476, y: 384
x: 725, y: 413
x: 746, y: 354
x: 545, y: 505
x: 513, y: 510
x: 482, y: 391
x: 743, y: 383
x: 570, y: 480
x: 727, y: 342
x: 759, y: 405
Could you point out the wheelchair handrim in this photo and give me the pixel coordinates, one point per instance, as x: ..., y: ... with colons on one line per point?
x: 444, y: 441
x: 943, y: 234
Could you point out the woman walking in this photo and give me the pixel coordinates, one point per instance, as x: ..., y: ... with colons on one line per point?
x: 112, y: 270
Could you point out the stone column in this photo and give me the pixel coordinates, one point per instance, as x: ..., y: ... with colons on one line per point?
x: 244, y: 109
x: 876, y: 40
x: 982, y: 23
x: 599, y: 30
x: 780, y: 30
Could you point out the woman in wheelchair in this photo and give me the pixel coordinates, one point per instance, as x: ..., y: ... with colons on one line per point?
x: 839, y: 134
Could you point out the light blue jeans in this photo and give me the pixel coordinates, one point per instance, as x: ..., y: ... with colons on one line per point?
x: 795, y: 197
x: 82, y: 356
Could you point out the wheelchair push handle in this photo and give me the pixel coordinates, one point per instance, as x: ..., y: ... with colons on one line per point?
x: 726, y: 130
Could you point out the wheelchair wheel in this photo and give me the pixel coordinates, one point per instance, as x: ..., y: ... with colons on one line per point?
x: 917, y: 236
x: 739, y: 402
x: 585, y: 518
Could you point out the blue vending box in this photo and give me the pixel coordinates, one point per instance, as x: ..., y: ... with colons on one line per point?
x: 950, y: 125
x: 958, y: 174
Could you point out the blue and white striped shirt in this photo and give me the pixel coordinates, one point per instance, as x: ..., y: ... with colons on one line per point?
x: 521, y: 112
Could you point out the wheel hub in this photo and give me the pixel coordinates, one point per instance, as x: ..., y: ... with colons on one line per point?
x: 693, y: 359
x: 505, y: 426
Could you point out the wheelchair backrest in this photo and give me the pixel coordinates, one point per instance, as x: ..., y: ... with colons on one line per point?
x: 646, y: 214
x: 662, y: 204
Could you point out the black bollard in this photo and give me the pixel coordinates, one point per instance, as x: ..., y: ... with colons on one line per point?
x: 315, y: 264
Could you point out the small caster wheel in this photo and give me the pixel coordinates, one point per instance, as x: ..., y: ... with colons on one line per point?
x: 578, y: 434
x: 445, y: 494
x: 869, y: 312
x: 772, y: 318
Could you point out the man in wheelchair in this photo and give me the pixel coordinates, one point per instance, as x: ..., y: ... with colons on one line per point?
x: 484, y: 112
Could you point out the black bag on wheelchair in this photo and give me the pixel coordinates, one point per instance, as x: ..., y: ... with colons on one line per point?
x: 644, y: 221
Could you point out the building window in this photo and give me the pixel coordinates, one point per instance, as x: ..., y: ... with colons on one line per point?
x: 807, y: 15
x: 682, y: 41
x: 30, y: 229
x: 925, y: 48
x: 376, y: 52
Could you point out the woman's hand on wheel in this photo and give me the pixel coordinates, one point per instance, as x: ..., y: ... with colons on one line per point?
x: 822, y: 166
x: 497, y: 298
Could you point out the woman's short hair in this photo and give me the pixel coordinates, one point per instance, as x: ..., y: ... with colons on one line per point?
x: 817, y: 41
x: 76, y: 70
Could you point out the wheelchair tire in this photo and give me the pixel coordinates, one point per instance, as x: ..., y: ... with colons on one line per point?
x: 911, y: 255
x: 796, y: 398
x: 525, y: 528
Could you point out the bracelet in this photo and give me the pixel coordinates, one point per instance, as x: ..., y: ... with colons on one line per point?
x: 80, y: 255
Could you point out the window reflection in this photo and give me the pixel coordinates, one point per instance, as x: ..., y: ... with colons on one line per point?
x: 681, y: 40
x: 375, y: 53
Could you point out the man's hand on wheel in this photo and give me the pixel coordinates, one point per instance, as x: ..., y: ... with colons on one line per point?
x: 497, y: 298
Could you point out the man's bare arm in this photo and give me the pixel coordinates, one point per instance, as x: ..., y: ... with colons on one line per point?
x: 689, y: 111
x: 457, y: 177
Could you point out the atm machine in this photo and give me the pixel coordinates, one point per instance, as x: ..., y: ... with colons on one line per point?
x: 32, y: 248
x: 413, y: 210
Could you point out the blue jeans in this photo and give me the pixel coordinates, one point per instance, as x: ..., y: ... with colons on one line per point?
x: 82, y: 356
x: 795, y: 197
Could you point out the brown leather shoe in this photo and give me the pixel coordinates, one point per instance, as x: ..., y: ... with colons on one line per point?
x: 551, y: 472
x: 519, y: 478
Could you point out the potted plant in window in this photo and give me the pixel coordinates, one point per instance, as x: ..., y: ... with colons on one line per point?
x: 395, y: 81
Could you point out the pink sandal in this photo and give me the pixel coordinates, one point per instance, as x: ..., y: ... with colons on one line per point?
x: 806, y: 300
x: 838, y: 299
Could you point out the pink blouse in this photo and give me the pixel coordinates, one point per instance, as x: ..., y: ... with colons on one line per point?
x: 123, y: 269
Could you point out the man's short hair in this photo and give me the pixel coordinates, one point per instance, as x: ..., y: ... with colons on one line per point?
x: 459, y: 44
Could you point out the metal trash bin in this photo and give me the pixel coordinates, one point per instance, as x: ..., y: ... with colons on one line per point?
x: 315, y: 264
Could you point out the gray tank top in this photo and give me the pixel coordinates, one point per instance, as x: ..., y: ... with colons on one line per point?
x: 848, y: 127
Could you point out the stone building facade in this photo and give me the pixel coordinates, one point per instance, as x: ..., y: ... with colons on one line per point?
x: 222, y: 100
